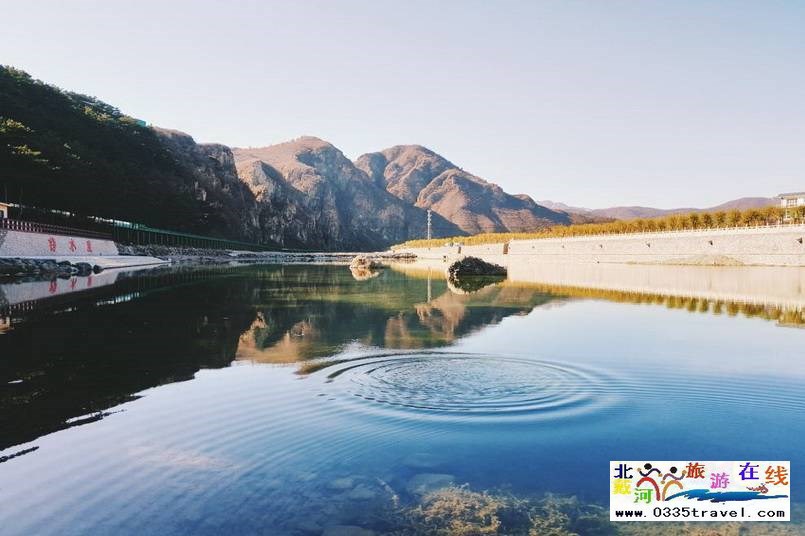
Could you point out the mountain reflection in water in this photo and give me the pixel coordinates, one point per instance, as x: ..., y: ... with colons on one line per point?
x: 67, y: 361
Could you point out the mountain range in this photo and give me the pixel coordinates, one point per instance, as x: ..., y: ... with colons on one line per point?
x: 626, y: 213
x: 73, y: 152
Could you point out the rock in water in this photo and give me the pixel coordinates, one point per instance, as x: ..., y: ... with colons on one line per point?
x: 469, y: 266
x: 362, y: 262
x: 471, y: 274
x: 347, y: 530
x: 341, y: 483
x: 424, y: 483
x: 84, y: 268
x: 363, y: 267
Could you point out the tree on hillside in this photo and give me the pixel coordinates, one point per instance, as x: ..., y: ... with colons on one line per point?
x: 72, y: 152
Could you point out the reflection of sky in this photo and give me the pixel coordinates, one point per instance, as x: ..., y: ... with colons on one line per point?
x: 238, y: 444
x: 649, y: 336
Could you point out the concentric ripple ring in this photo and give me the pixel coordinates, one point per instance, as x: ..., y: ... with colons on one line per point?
x: 470, y: 385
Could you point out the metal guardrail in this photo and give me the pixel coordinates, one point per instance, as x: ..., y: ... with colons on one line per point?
x: 44, y: 228
x: 122, y: 232
x: 138, y: 234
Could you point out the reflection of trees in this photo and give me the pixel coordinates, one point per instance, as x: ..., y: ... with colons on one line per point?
x: 789, y: 316
x: 83, y: 361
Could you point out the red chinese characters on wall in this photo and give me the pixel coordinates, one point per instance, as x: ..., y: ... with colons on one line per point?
x: 72, y: 245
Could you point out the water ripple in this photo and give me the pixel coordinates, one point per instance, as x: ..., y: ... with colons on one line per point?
x: 466, y: 385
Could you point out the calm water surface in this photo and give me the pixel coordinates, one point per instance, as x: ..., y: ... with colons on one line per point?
x: 286, y: 399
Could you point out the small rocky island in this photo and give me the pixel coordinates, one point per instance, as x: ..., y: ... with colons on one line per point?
x: 471, y: 273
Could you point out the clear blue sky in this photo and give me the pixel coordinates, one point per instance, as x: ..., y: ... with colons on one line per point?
x: 596, y: 103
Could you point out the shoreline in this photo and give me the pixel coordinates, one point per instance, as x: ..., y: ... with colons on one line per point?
x: 136, y: 258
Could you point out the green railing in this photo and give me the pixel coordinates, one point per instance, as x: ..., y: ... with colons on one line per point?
x: 44, y: 228
x: 137, y: 234
x: 122, y: 232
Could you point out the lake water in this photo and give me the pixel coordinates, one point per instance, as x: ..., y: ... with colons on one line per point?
x: 291, y: 399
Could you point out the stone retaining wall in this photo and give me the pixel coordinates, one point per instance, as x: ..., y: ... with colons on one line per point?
x: 764, y: 246
x: 24, y: 244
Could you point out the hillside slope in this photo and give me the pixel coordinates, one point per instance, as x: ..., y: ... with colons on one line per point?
x: 422, y: 177
x: 344, y: 208
x: 73, y: 152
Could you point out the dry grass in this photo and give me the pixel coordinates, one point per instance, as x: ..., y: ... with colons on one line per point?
x: 675, y: 222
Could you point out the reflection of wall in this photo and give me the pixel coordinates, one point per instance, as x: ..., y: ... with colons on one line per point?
x: 771, y: 292
x: 775, y: 246
x: 26, y: 291
x: 780, y: 286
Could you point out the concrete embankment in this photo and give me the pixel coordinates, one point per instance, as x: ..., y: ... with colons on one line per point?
x: 45, y: 254
x: 761, y: 246
x: 40, y: 244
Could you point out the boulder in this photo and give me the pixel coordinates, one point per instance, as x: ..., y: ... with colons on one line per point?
x: 424, y: 483
x: 363, y: 267
x: 343, y: 483
x: 422, y: 460
x: 473, y: 266
x: 347, y: 530
x: 471, y: 274
x: 84, y: 268
x: 362, y: 492
x: 364, y: 263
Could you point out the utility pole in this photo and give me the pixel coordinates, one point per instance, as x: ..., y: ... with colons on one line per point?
x: 428, y: 224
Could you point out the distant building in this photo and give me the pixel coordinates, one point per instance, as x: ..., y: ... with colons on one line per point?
x: 790, y: 202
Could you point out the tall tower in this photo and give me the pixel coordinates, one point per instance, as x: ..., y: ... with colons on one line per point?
x: 429, y: 235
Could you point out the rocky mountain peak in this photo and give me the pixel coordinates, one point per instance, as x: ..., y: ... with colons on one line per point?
x: 347, y: 208
x: 420, y: 176
x: 403, y: 170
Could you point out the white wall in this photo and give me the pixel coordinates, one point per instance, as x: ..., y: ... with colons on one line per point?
x: 762, y: 246
x: 23, y: 244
